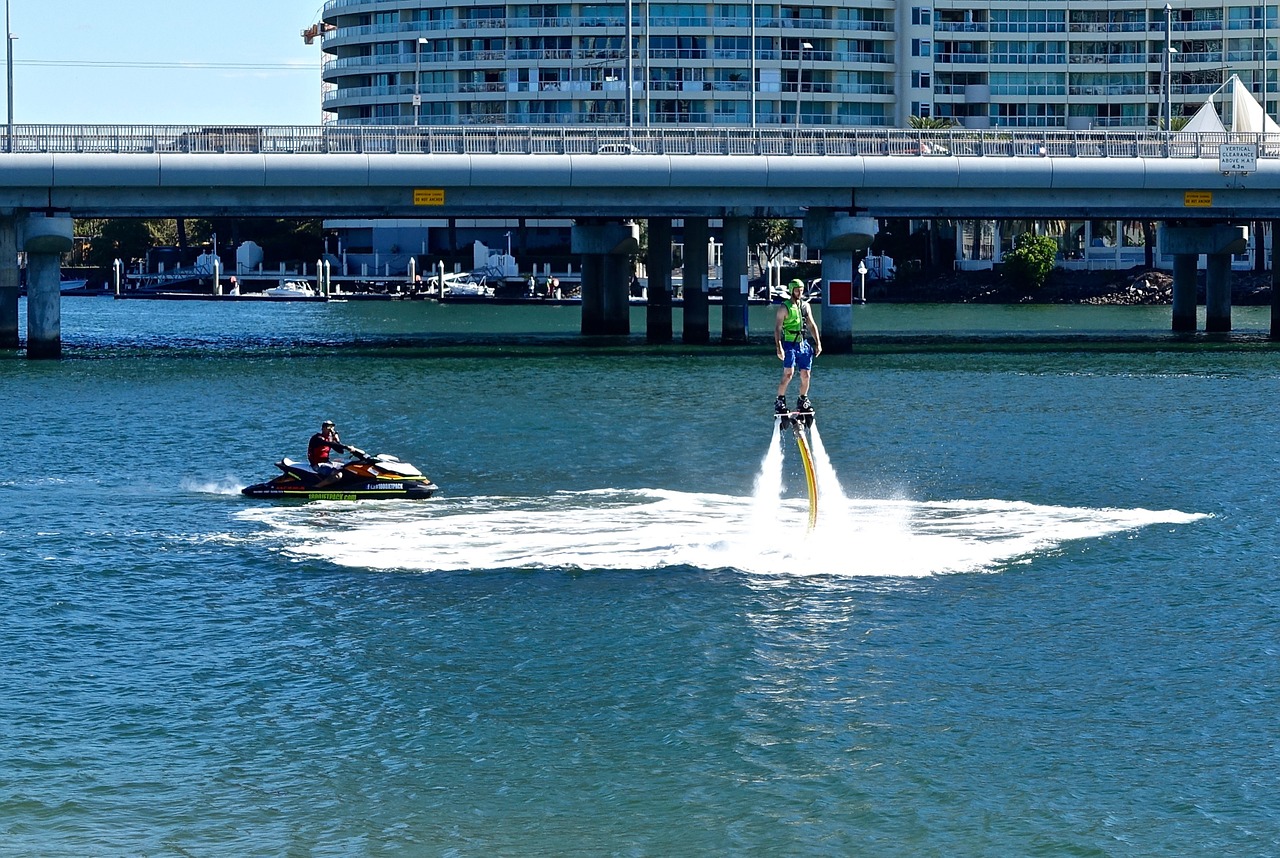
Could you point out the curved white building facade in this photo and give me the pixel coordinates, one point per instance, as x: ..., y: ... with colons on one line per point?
x: 1032, y: 63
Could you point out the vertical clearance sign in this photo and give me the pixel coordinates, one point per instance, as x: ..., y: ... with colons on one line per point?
x: 428, y: 196
x: 1238, y: 158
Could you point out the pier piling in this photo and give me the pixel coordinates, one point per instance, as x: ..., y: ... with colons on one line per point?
x: 8, y: 283
x: 45, y: 239
x: 697, y: 316
x: 658, y: 328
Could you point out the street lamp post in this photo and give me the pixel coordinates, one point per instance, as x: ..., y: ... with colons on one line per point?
x: 8, y: 61
x: 1168, y: 69
x: 417, y: 80
x: 753, y: 63
x: 862, y: 281
x: 630, y: 72
x: 804, y: 46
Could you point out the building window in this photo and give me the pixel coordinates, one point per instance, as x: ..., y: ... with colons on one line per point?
x: 921, y: 48
x: 921, y: 80
x: 733, y: 112
x: 921, y: 16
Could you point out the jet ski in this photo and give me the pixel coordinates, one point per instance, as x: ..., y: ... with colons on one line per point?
x: 363, y: 477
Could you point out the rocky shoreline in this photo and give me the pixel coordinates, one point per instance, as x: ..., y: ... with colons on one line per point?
x: 1136, y: 286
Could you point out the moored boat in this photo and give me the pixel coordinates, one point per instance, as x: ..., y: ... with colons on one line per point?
x: 292, y: 289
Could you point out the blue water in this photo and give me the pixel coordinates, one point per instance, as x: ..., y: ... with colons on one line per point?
x: 1038, y: 615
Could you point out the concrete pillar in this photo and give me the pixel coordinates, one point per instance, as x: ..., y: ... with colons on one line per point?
x: 658, y: 263
x: 697, y: 319
x: 1275, y: 280
x: 841, y: 238
x: 836, y: 320
x: 605, y: 249
x: 592, y: 293
x: 733, y: 324
x: 1218, y: 241
x: 44, y: 305
x: 1184, y: 292
x: 8, y: 283
x: 45, y: 240
x: 617, y: 294
x: 1217, y: 293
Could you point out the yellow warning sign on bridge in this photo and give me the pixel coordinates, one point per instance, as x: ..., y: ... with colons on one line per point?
x: 428, y: 196
x: 1197, y: 199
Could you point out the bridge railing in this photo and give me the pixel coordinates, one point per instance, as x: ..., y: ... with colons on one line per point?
x: 615, y: 140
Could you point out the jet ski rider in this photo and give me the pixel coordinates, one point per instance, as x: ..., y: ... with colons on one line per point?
x: 319, y: 449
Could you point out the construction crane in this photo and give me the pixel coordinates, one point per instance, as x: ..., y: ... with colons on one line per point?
x: 316, y: 31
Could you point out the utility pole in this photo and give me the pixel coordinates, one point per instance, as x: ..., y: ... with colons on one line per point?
x: 8, y: 56
x: 1168, y: 69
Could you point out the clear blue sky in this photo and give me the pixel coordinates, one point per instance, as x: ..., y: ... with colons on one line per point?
x: 164, y: 62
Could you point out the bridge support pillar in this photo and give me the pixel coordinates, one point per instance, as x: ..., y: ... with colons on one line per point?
x: 1217, y: 293
x: 697, y: 317
x: 1218, y: 242
x: 657, y: 324
x: 605, y: 248
x: 1275, y: 279
x: 8, y: 283
x: 45, y: 240
x: 841, y: 238
x: 733, y: 312
x: 592, y: 293
x: 1184, y: 292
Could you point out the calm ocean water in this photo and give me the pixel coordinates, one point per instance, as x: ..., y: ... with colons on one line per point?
x: 1038, y: 616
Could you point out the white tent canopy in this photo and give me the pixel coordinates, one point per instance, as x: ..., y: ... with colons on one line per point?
x: 1205, y: 121
x: 1247, y: 116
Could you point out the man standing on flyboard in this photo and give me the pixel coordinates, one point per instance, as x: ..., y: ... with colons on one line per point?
x: 794, y: 321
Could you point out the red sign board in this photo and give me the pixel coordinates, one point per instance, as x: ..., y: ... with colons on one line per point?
x: 839, y: 293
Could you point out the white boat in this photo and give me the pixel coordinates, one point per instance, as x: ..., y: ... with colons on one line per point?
x: 467, y: 287
x: 292, y: 289
x: 74, y: 285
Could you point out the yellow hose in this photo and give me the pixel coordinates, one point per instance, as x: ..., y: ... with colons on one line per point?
x: 809, y: 478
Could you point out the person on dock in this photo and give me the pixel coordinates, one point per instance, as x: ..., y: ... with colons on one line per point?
x: 319, y: 448
x: 794, y: 322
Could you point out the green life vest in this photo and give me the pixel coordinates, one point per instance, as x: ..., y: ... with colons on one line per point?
x: 793, y: 322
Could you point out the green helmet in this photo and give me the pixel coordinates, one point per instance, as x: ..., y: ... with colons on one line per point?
x: 795, y: 284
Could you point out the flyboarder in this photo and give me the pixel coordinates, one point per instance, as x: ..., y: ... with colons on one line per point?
x: 794, y: 322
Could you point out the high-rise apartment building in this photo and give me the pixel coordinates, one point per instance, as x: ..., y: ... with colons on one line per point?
x: 984, y: 63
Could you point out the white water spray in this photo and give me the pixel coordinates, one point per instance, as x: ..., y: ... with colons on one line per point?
x: 764, y: 534
x: 768, y: 486
x: 830, y: 493
x: 656, y: 529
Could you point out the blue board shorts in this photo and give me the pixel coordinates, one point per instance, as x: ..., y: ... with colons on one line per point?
x: 798, y: 355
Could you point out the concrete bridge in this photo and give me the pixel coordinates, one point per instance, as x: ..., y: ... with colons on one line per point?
x: 839, y: 180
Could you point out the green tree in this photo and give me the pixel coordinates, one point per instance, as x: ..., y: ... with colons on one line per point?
x: 771, y: 236
x: 1032, y: 258
x: 126, y: 239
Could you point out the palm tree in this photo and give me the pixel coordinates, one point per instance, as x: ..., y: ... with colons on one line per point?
x: 931, y: 123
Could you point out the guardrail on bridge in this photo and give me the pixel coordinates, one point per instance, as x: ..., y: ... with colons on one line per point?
x: 613, y: 140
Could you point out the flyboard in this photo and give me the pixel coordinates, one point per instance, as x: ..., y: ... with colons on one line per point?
x: 799, y: 422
